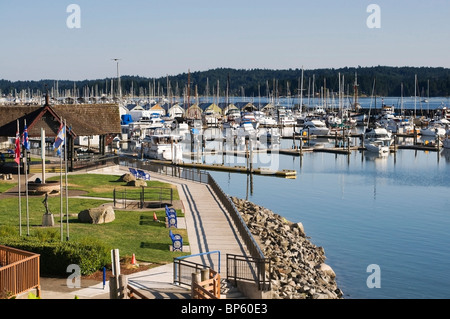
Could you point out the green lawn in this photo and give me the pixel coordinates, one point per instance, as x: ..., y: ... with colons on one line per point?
x: 132, y: 232
x: 98, y: 185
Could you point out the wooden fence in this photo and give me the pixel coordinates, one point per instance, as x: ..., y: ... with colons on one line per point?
x: 207, y: 288
x: 19, y: 272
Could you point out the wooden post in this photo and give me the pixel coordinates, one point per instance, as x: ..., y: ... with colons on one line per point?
x: 195, y: 279
x: 348, y: 144
x: 293, y: 139
x: 204, y: 274
x: 395, y: 142
x: 309, y: 142
x: 415, y: 135
x: 301, y: 146
x: 113, y: 293
x: 123, y: 290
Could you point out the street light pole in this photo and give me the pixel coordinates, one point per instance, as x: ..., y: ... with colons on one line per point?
x: 119, y: 87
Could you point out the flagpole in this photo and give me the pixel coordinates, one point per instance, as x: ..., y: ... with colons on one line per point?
x: 61, y: 221
x: 60, y: 138
x: 18, y: 178
x: 25, y: 167
x: 67, y: 187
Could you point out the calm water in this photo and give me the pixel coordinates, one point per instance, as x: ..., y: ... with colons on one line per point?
x: 393, y: 212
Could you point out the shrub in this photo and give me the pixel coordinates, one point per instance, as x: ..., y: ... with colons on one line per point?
x: 8, y: 231
x: 46, y: 234
x: 55, y: 256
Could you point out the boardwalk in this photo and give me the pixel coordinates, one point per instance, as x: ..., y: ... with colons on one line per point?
x: 209, y: 229
x: 209, y: 226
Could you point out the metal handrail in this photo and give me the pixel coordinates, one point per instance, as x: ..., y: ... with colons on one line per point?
x: 206, y: 178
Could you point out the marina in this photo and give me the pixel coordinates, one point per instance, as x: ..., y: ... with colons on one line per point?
x: 364, y: 210
x: 364, y: 207
x: 301, y: 150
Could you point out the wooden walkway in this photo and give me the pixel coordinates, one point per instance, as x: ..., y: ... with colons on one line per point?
x: 208, y: 224
x: 209, y: 228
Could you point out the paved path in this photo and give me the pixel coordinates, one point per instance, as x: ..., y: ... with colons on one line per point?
x: 209, y: 229
x: 209, y: 226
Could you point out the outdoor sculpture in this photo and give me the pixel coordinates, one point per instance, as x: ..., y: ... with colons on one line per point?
x: 47, y: 218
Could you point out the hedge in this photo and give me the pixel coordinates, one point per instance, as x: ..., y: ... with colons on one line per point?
x: 55, y: 256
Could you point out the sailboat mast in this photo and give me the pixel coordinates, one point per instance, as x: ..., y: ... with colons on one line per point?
x: 415, y: 94
x: 189, y: 89
x: 301, y: 91
x: 355, y: 88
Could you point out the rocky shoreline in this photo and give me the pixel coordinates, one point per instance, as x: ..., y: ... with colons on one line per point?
x: 299, y: 270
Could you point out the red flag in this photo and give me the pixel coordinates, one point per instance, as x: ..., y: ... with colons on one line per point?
x: 17, y: 151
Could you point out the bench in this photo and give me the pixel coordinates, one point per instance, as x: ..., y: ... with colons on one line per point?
x: 133, y: 172
x: 143, y: 175
x: 177, y: 241
x: 171, y: 217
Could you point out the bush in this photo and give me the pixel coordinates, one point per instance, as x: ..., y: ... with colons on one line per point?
x: 46, y: 234
x: 55, y: 256
x: 8, y: 231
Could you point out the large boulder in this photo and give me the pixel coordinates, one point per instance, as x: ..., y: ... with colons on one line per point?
x: 98, y: 215
x: 127, y: 178
x: 137, y: 183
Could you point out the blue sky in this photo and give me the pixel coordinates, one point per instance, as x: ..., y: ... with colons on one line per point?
x: 156, y: 38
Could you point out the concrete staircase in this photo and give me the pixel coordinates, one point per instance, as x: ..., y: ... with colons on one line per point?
x: 229, y: 291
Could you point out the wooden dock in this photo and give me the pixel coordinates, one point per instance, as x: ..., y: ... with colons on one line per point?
x: 234, y: 169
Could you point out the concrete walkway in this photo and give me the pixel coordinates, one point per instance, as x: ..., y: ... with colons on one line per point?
x: 209, y: 229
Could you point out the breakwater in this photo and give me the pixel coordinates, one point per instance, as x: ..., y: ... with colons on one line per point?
x: 299, y: 270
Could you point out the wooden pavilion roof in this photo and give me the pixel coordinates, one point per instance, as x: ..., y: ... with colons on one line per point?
x: 82, y: 119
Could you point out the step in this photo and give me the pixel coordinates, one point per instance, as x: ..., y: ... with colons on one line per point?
x: 229, y: 291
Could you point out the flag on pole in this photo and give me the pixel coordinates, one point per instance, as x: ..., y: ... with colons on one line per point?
x: 17, y: 150
x: 60, y: 139
x: 25, y: 141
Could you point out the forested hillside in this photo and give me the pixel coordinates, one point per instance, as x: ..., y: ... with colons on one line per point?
x: 258, y: 82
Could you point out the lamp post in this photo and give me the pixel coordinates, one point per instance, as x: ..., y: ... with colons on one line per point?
x: 119, y: 87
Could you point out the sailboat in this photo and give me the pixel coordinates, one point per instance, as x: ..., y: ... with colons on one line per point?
x: 377, y: 139
x: 356, y: 114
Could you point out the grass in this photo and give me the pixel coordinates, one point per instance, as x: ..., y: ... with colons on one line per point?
x: 132, y: 232
x: 98, y: 185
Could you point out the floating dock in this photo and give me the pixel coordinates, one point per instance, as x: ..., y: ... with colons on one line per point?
x: 235, y: 169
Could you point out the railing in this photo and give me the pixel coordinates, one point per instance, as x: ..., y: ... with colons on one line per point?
x: 204, y: 177
x: 19, y: 271
x: 174, y: 171
x: 135, y: 294
x: 207, y: 288
x: 241, y: 226
x: 144, y: 197
x: 182, y: 268
x: 94, y: 161
x: 255, y: 270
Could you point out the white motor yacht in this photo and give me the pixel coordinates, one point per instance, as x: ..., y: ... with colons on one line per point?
x: 435, y: 128
x: 446, y: 143
x: 161, y: 144
x: 315, y: 127
x: 378, y: 140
